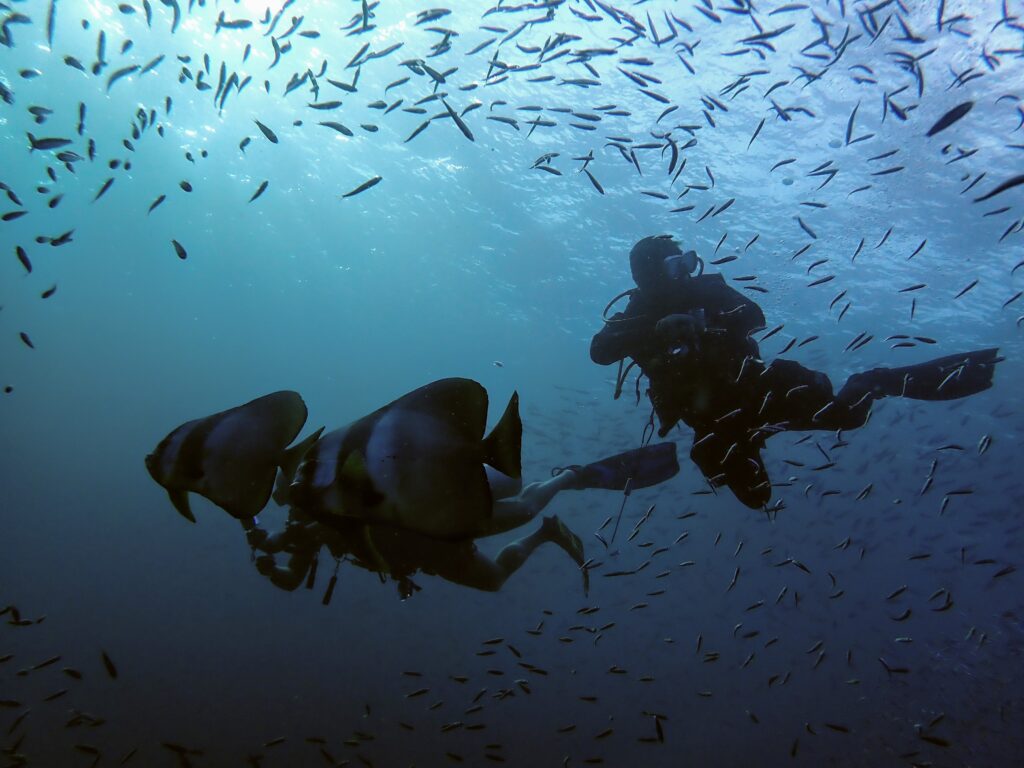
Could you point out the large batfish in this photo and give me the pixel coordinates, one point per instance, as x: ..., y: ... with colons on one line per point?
x: 418, y: 462
x: 232, y: 457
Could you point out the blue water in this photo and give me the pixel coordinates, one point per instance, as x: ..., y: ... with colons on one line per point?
x: 466, y: 261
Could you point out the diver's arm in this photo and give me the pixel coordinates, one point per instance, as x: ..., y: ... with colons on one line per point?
x: 299, y: 540
x: 294, y: 533
x: 624, y: 333
x: 680, y: 328
x: 616, y: 340
x: 287, y: 577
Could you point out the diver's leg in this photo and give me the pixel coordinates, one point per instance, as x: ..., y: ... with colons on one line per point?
x: 473, y: 569
x: 513, y: 555
x: 944, y: 378
x: 637, y: 468
x: 502, y: 486
x: 509, y: 514
x: 746, y: 476
x: 467, y: 566
x: 705, y: 452
x: 798, y: 398
x: 729, y: 459
x: 803, y: 399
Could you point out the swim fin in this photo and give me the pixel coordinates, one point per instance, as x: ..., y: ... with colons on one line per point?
x: 639, y: 468
x: 947, y: 378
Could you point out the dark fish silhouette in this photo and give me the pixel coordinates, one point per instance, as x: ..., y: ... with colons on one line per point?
x: 262, y: 188
x: 345, y: 131
x: 955, y: 114
x: 364, y: 186
x: 46, y: 143
x: 1008, y: 184
x: 109, y: 665
x: 418, y: 462
x: 232, y: 457
x: 23, y: 258
x: 271, y: 136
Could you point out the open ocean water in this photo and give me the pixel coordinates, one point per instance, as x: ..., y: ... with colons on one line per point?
x: 852, y: 626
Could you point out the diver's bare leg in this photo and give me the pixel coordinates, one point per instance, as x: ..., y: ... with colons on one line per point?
x: 509, y: 514
x: 552, y: 529
x: 502, y: 486
x: 512, y: 556
x: 472, y: 569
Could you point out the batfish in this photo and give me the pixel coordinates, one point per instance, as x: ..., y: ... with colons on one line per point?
x: 232, y: 457
x: 420, y: 462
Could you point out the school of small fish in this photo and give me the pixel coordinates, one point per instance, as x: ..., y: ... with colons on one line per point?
x: 623, y: 97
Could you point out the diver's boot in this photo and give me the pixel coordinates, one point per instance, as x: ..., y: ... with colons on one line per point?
x: 638, y: 468
x: 945, y: 378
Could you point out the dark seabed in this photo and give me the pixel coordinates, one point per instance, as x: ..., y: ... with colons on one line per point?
x: 729, y: 636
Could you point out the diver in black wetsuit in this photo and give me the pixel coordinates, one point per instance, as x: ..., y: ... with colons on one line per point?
x: 289, y: 557
x: 690, y: 334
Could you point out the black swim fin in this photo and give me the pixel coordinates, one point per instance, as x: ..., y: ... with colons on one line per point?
x: 945, y: 378
x: 639, y: 468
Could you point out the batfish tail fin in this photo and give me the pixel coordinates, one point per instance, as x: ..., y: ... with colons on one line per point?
x: 503, y: 447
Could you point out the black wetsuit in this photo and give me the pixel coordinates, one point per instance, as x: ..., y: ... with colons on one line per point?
x: 718, y: 384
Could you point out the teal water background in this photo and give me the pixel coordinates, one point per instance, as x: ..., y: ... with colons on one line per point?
x: 464, y: 255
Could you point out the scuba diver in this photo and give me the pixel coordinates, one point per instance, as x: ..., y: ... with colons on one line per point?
x: 690, y: 334
x: 408, y: 487
x: 394, y: 553
x: 398, y: 549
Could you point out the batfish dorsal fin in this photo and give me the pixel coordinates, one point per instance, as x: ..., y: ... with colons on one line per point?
x: 290, y: 465
x: 284, y: 413
x: 503, y: 447
x: 294, y: 455
x: 460, y: 403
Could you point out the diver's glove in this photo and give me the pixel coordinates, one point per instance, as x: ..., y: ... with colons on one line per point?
x: 681, y: 330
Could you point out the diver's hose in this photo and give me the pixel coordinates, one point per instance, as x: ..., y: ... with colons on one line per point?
x: 621, y: 379
x: 604, y: 315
